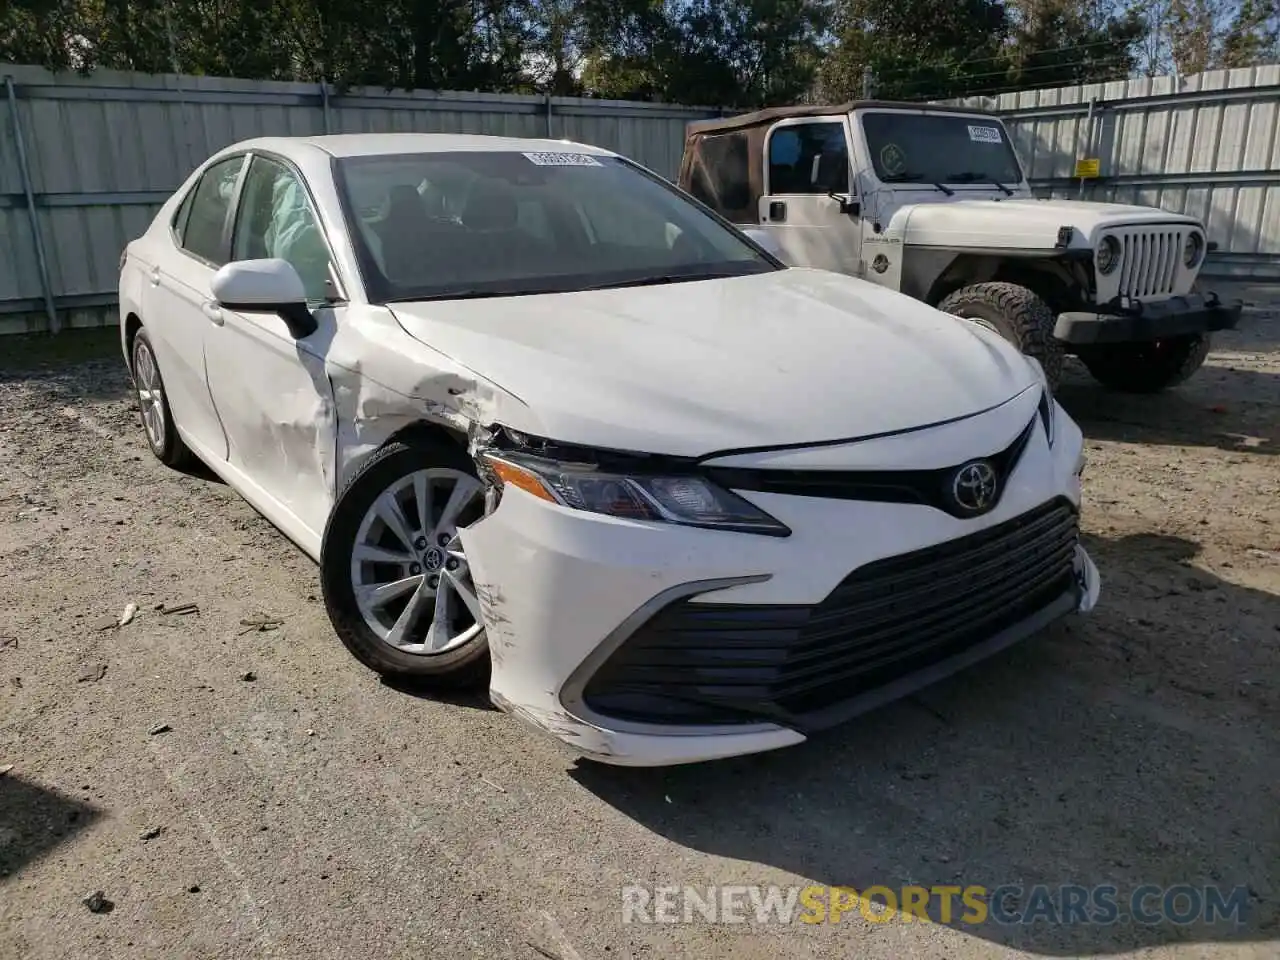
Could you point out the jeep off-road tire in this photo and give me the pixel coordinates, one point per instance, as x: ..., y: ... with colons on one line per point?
x: 398, y: 471
x: 1147, y: 367
x: 1017, y: 314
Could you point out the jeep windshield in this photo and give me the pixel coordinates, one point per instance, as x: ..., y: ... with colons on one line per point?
x: 496, y: 223
x: 934, y: 148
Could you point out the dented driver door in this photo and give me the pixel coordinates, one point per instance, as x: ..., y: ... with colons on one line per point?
x: 271, y: 390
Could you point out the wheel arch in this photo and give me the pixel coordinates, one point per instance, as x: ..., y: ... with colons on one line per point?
x: 132, y: 324
x: 1062, y: 283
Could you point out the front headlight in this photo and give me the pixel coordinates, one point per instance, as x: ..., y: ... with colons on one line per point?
x: 1193, y: 249
x: 1108, y: 257
x: 691, y: 500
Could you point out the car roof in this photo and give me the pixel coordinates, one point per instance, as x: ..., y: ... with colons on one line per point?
x: 376, y: 144
x: 773, y: 114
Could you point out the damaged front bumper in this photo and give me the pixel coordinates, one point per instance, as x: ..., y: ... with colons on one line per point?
x: 1136, y: 321
x: 579, y: 610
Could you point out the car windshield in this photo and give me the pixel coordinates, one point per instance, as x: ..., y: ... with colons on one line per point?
x: 939, y: 148
x: 484, y: 223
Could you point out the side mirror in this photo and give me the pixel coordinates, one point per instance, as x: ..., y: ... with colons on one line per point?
x: 265, y: 286
x: 766, y: 239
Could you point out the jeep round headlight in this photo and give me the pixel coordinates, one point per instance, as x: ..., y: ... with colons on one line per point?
x: 1108, y: 254
x: 1193, y: 249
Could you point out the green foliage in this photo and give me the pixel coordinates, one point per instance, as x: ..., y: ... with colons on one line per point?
x: 732, y: 53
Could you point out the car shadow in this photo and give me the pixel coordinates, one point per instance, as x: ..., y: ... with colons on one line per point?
x: 1229, y: 408
x: 473, y: 699
x: 1125, y: 748
x: 34, y: 820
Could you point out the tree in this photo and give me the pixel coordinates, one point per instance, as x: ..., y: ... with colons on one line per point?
x: 916, y: 49
x: 1253, y: 37
x: 1064, y: 42
x: 1191, y: 36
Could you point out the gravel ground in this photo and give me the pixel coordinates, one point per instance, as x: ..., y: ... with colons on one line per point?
x: 312, y: 811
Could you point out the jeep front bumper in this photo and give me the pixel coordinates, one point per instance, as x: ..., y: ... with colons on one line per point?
x: 1137, y: 321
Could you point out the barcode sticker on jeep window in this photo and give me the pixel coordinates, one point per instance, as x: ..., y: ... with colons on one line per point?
x: 563, y: 159
x: 985, y: 134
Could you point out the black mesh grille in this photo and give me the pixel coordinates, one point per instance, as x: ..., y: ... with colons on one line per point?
x: 723, y: 663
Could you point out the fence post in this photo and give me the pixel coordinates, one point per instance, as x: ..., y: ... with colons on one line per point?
x: 324, y: 105
x: 42, y: 262
x: 548, y: 99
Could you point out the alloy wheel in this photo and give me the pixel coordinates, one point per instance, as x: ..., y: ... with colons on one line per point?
x: 409, y: 574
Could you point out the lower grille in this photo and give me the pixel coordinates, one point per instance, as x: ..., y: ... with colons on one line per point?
x: 709, y: 663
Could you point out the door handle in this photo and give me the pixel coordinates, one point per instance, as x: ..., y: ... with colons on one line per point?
x: 155, y: 276
x: 212, y: 311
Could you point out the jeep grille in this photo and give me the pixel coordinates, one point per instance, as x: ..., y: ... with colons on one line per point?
x: 1149, y: 261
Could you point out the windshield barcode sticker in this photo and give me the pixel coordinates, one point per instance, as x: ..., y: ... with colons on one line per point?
x: 985, y: 134
x: 563, y: 159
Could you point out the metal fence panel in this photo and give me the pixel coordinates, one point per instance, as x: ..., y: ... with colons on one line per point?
x: 104, y: 151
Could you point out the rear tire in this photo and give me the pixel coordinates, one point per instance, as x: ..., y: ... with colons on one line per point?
x: 395, y: 636
x: 1016, y: 313
x: 153, y: 404
x: 1147, y: 367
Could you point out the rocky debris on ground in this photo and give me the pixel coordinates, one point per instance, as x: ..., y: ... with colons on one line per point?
x: 260, y: 623
x: 97, y: 902
x: 185, y: 608
x: 92, y: 673
x: 159, y: 728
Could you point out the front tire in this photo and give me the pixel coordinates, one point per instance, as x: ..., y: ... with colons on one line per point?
x: 1016, y: 313
x: 396, y: 584
x: 1147, y: 367
x: 153, y: 405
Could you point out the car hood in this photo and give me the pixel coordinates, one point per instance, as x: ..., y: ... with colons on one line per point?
x: 789, y: 357
x: 1023, y: 224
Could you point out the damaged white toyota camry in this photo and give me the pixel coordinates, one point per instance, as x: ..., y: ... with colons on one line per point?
x: 547, y: 423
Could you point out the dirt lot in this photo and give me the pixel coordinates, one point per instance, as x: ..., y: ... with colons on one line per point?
x: 315, y: 812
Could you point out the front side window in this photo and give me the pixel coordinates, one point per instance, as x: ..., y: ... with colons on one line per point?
x: 275, y: 219
x: 490, y: 223
x: 798, y: 154
x: 939, y: 148
x: 206, y: 223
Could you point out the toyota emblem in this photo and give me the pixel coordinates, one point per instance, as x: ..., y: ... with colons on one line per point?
x: 974, y: 487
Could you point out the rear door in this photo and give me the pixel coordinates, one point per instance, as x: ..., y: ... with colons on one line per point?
x: 806, y: 221
x: 176, y: 302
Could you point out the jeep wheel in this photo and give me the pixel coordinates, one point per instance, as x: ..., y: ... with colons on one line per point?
x: 1017, y: 314
x: 1147, y: 367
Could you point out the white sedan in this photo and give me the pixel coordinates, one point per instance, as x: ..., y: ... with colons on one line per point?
x: 547, y: 423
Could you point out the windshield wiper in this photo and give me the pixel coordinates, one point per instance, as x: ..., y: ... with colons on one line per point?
x: 465, y: 294
x: 968, y: 177
x: 478, y: 293
x: 655, y: 279
x: 916, y: 178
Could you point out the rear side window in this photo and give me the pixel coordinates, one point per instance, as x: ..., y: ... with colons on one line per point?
x: 722, y: 180
x: 205, y: 229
